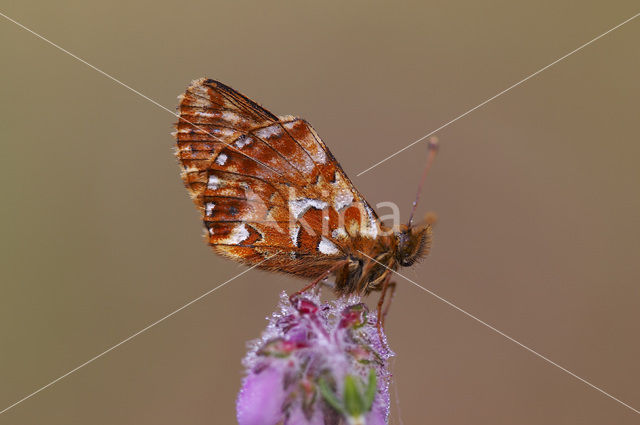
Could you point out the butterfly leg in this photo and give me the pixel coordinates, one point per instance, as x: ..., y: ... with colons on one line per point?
x: 380, y: 319
x: 392, y: 286
x: 315, y: 282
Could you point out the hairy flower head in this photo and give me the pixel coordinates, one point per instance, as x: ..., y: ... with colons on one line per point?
x: 317, y: 363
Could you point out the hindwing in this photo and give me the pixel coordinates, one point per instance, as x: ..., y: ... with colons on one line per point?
x: 267, y: 186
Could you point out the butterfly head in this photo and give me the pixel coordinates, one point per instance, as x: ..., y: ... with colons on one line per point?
x: 413, y: 241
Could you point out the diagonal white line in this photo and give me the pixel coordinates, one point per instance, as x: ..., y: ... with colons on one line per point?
x: 88, y: 64
x: 377, y: 163
x: 499, y: 94
x: 170, y: 314
x: 498, y: 331
x: 129, y: 338
x: 373, y: 166
x: 114, y: 79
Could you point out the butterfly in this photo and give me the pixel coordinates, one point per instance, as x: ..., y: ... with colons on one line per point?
x: 271, y: 194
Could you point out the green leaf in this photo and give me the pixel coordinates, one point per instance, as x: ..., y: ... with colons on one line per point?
x: 370, y: 392
x: 353, y: 403
x: 329, y: 396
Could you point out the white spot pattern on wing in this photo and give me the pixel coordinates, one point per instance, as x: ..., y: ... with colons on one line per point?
x: 300, y: 206
x: 213, y: 182
x: 295, y: 232
x: 327, y: 247
x: 267, y: 132
x: 221, y: 159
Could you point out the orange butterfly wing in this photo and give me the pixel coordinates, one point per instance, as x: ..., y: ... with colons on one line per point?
x: 267, y: 186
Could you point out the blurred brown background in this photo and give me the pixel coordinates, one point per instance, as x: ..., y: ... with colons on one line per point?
x: 536, y: 192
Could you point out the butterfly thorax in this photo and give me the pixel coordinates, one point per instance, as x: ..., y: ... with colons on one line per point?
x: 369, y: 261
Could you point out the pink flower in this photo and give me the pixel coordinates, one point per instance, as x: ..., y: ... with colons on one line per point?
x: 253, y: 408
x: 317, y: 364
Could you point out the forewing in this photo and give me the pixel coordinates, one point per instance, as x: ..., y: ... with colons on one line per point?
x: 267, y: 186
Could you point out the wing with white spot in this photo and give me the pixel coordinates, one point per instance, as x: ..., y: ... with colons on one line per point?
x: 267, y: 186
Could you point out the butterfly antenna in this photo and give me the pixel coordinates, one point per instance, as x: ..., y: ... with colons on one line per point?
x: 433, y: 150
